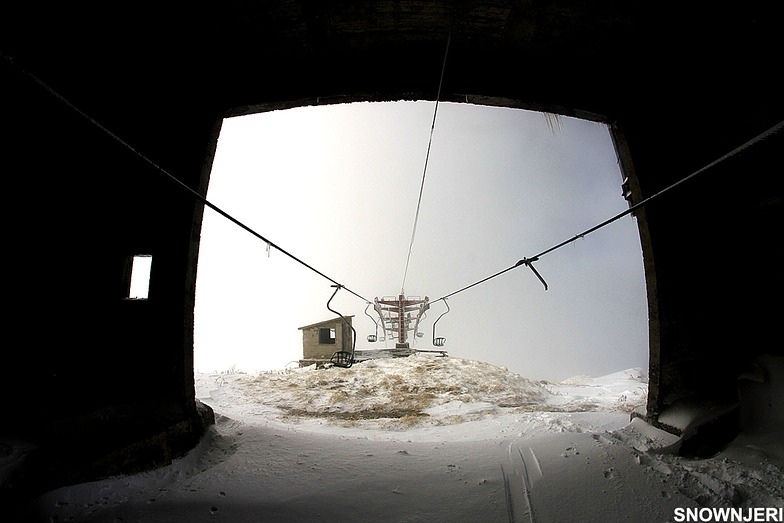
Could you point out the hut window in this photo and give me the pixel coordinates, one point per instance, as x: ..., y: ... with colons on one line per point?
x: 327, y: 335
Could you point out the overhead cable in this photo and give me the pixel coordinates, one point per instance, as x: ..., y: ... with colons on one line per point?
x: 179, y: 182
x: 424, y: 171
x: 529, y: 261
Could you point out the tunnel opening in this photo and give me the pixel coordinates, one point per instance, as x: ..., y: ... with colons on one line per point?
x: 164, y: 104
x: 337, y: 186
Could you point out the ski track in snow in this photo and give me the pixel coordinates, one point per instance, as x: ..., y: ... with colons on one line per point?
x: 518, y: 482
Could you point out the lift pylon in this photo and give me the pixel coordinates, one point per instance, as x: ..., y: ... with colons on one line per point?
x: 400, y: 315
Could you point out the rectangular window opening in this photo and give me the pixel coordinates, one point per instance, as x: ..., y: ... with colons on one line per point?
x: 140, y: 277
x: 327, y: 336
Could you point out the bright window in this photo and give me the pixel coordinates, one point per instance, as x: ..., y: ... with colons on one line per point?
x: 140, y: 277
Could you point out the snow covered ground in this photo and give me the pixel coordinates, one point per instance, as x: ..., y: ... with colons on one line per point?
x: 430, y: 439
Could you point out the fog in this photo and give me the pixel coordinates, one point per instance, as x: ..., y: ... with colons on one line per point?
x: 337, y: 187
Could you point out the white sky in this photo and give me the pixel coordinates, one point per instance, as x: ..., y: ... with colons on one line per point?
x: 337, y: 187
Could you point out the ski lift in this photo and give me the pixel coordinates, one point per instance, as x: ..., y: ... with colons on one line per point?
x: 420, y: 334
x: 529, y: 262
x: 439, y: 341
x: 372, y: 338
x: 343, y: 359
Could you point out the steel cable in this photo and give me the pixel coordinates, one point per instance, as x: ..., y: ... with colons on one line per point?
x: 529, y: 261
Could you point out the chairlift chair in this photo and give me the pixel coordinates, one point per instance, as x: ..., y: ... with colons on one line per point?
x: 343, y: 359
x: 372, y: 338
x: 439, y: 341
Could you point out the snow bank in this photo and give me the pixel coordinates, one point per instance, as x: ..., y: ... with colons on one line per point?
x: 401, y: 393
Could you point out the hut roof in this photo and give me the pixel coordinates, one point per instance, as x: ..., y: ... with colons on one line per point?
x: 324, y: 323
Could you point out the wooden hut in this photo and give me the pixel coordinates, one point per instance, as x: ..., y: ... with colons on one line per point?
x: 321, y: 340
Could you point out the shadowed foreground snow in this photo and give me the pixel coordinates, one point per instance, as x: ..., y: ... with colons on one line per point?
x: 427, y: 439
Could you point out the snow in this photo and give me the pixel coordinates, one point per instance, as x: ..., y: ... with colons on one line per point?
x: 427, y: 438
